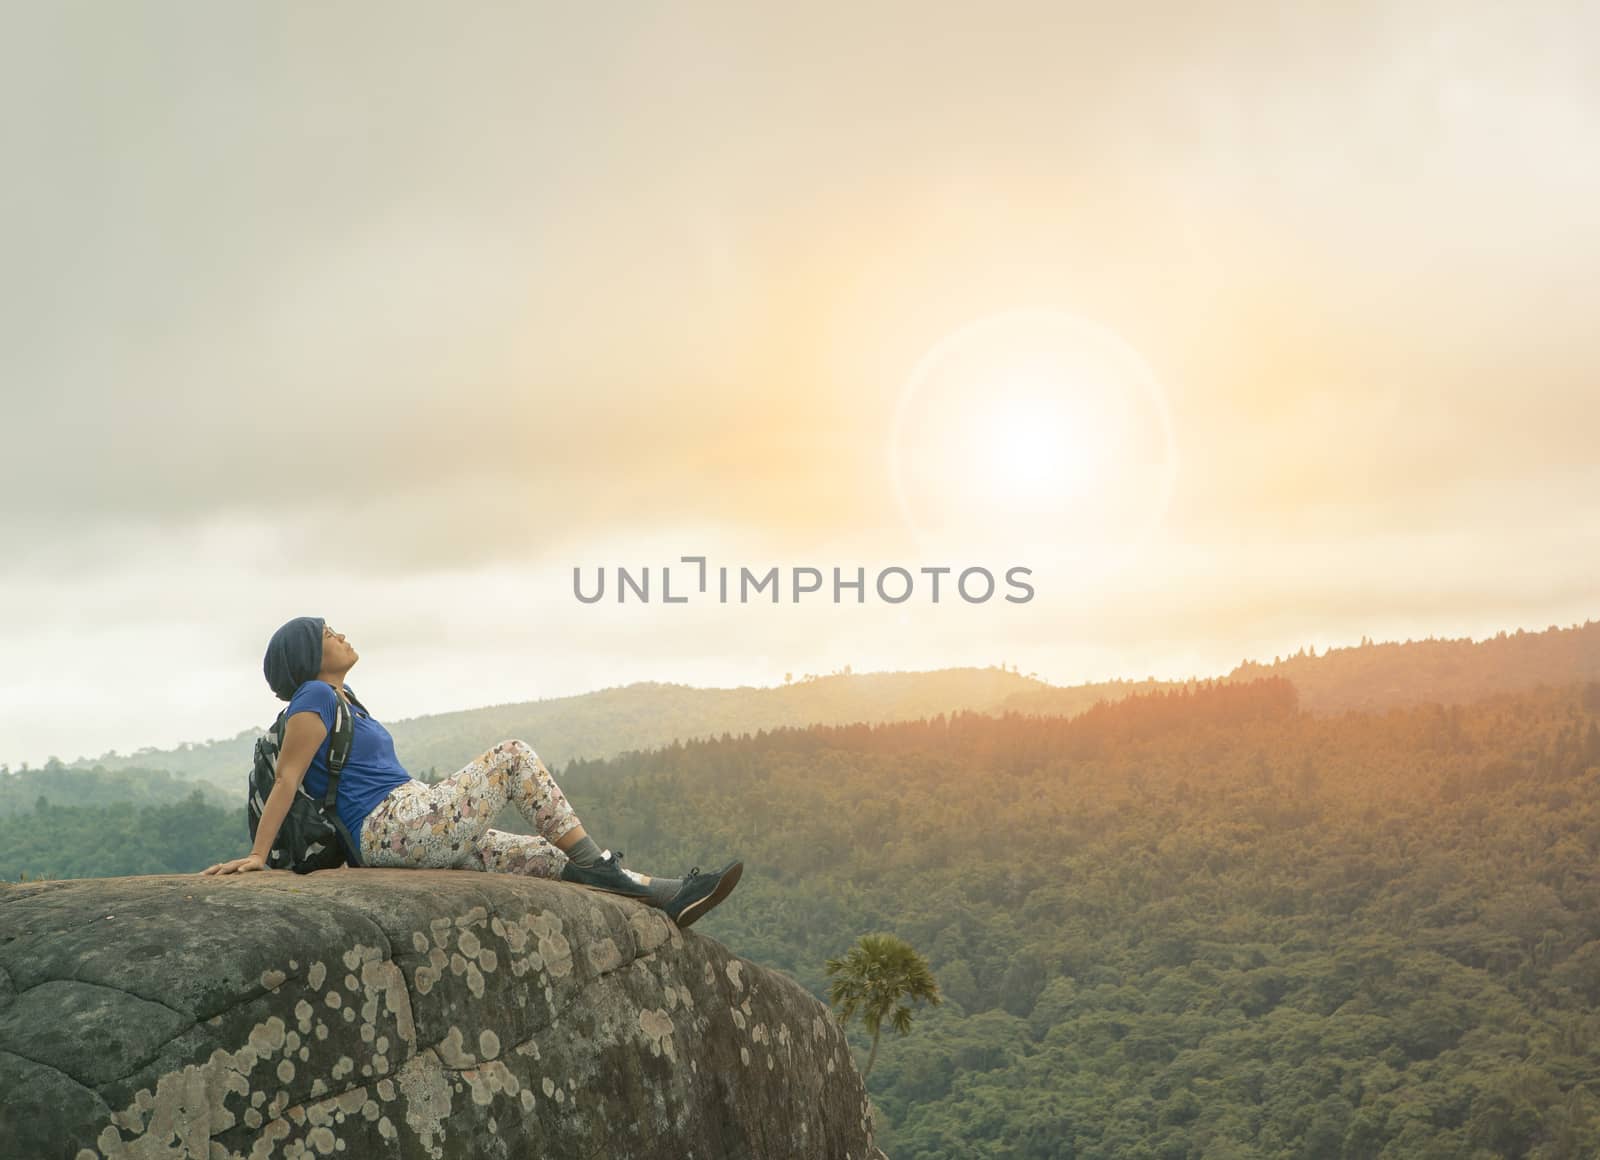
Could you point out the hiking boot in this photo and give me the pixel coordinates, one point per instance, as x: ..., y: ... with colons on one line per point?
x: 609, y: 875
x: 700, y: 892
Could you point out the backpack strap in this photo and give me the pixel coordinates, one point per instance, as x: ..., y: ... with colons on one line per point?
x: 350, y: 695
x: 338, y: 749
x: 338, y: 753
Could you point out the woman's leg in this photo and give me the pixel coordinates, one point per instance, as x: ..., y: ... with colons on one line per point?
x: 501, y: 853
x: 445, y: 825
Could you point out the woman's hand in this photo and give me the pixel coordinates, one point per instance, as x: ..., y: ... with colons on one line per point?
x: 238, y: 865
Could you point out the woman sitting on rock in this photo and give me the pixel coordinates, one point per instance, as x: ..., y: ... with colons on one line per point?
x: 398, y: 821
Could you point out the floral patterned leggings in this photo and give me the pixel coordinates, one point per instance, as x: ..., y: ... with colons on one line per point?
x: 445, y: 826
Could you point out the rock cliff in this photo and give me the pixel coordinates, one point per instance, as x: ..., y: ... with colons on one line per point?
x: 400, y: 1013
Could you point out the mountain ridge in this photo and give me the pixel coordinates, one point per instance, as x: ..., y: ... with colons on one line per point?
x: 648, y: 714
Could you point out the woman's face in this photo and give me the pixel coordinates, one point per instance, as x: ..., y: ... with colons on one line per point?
x: 336, y: 651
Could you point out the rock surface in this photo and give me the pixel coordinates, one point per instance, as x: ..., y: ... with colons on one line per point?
x: 400, y: 1013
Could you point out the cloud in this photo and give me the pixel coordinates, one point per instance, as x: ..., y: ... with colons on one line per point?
x: 400, y: 319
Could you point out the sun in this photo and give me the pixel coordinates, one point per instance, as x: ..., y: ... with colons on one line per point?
x: 1037, y: 430
x: 1033, y: 440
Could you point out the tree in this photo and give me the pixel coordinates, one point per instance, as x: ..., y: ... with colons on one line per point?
x: 872, y: 978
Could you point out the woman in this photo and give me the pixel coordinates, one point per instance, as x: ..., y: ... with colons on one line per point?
x: 398, y: 821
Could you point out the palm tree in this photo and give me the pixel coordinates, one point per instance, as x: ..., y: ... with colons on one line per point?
x: 873, y: 977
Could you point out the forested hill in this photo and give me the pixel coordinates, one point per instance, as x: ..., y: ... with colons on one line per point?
x: 649, y: 714
x: 614, y: 720
x: 126, y: 788
x: 1376, y: 676
x: 1189, y: 924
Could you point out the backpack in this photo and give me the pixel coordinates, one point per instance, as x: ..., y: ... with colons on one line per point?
x: 312, y: 837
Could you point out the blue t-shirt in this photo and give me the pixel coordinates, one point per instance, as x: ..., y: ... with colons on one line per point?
x: 371, y: 770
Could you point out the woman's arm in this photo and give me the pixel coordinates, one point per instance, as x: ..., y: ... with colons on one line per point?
x: 302, y: 736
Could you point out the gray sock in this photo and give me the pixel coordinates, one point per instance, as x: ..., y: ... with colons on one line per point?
x: 585, y: 852
x: 662, y: 889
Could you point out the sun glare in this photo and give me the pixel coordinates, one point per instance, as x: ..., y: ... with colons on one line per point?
x: 1035, y: 445
x: 1033, y: 430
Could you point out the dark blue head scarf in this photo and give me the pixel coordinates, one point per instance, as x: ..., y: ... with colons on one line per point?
x: 294, y: 655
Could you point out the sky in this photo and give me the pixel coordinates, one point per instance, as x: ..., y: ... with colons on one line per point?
x: 1242, y: 327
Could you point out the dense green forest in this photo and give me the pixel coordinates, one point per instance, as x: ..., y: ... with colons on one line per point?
x: 108, y: 841
x: 1195, y: 924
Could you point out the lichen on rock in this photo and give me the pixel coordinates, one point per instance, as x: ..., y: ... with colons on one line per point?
x: 400, y: 1013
